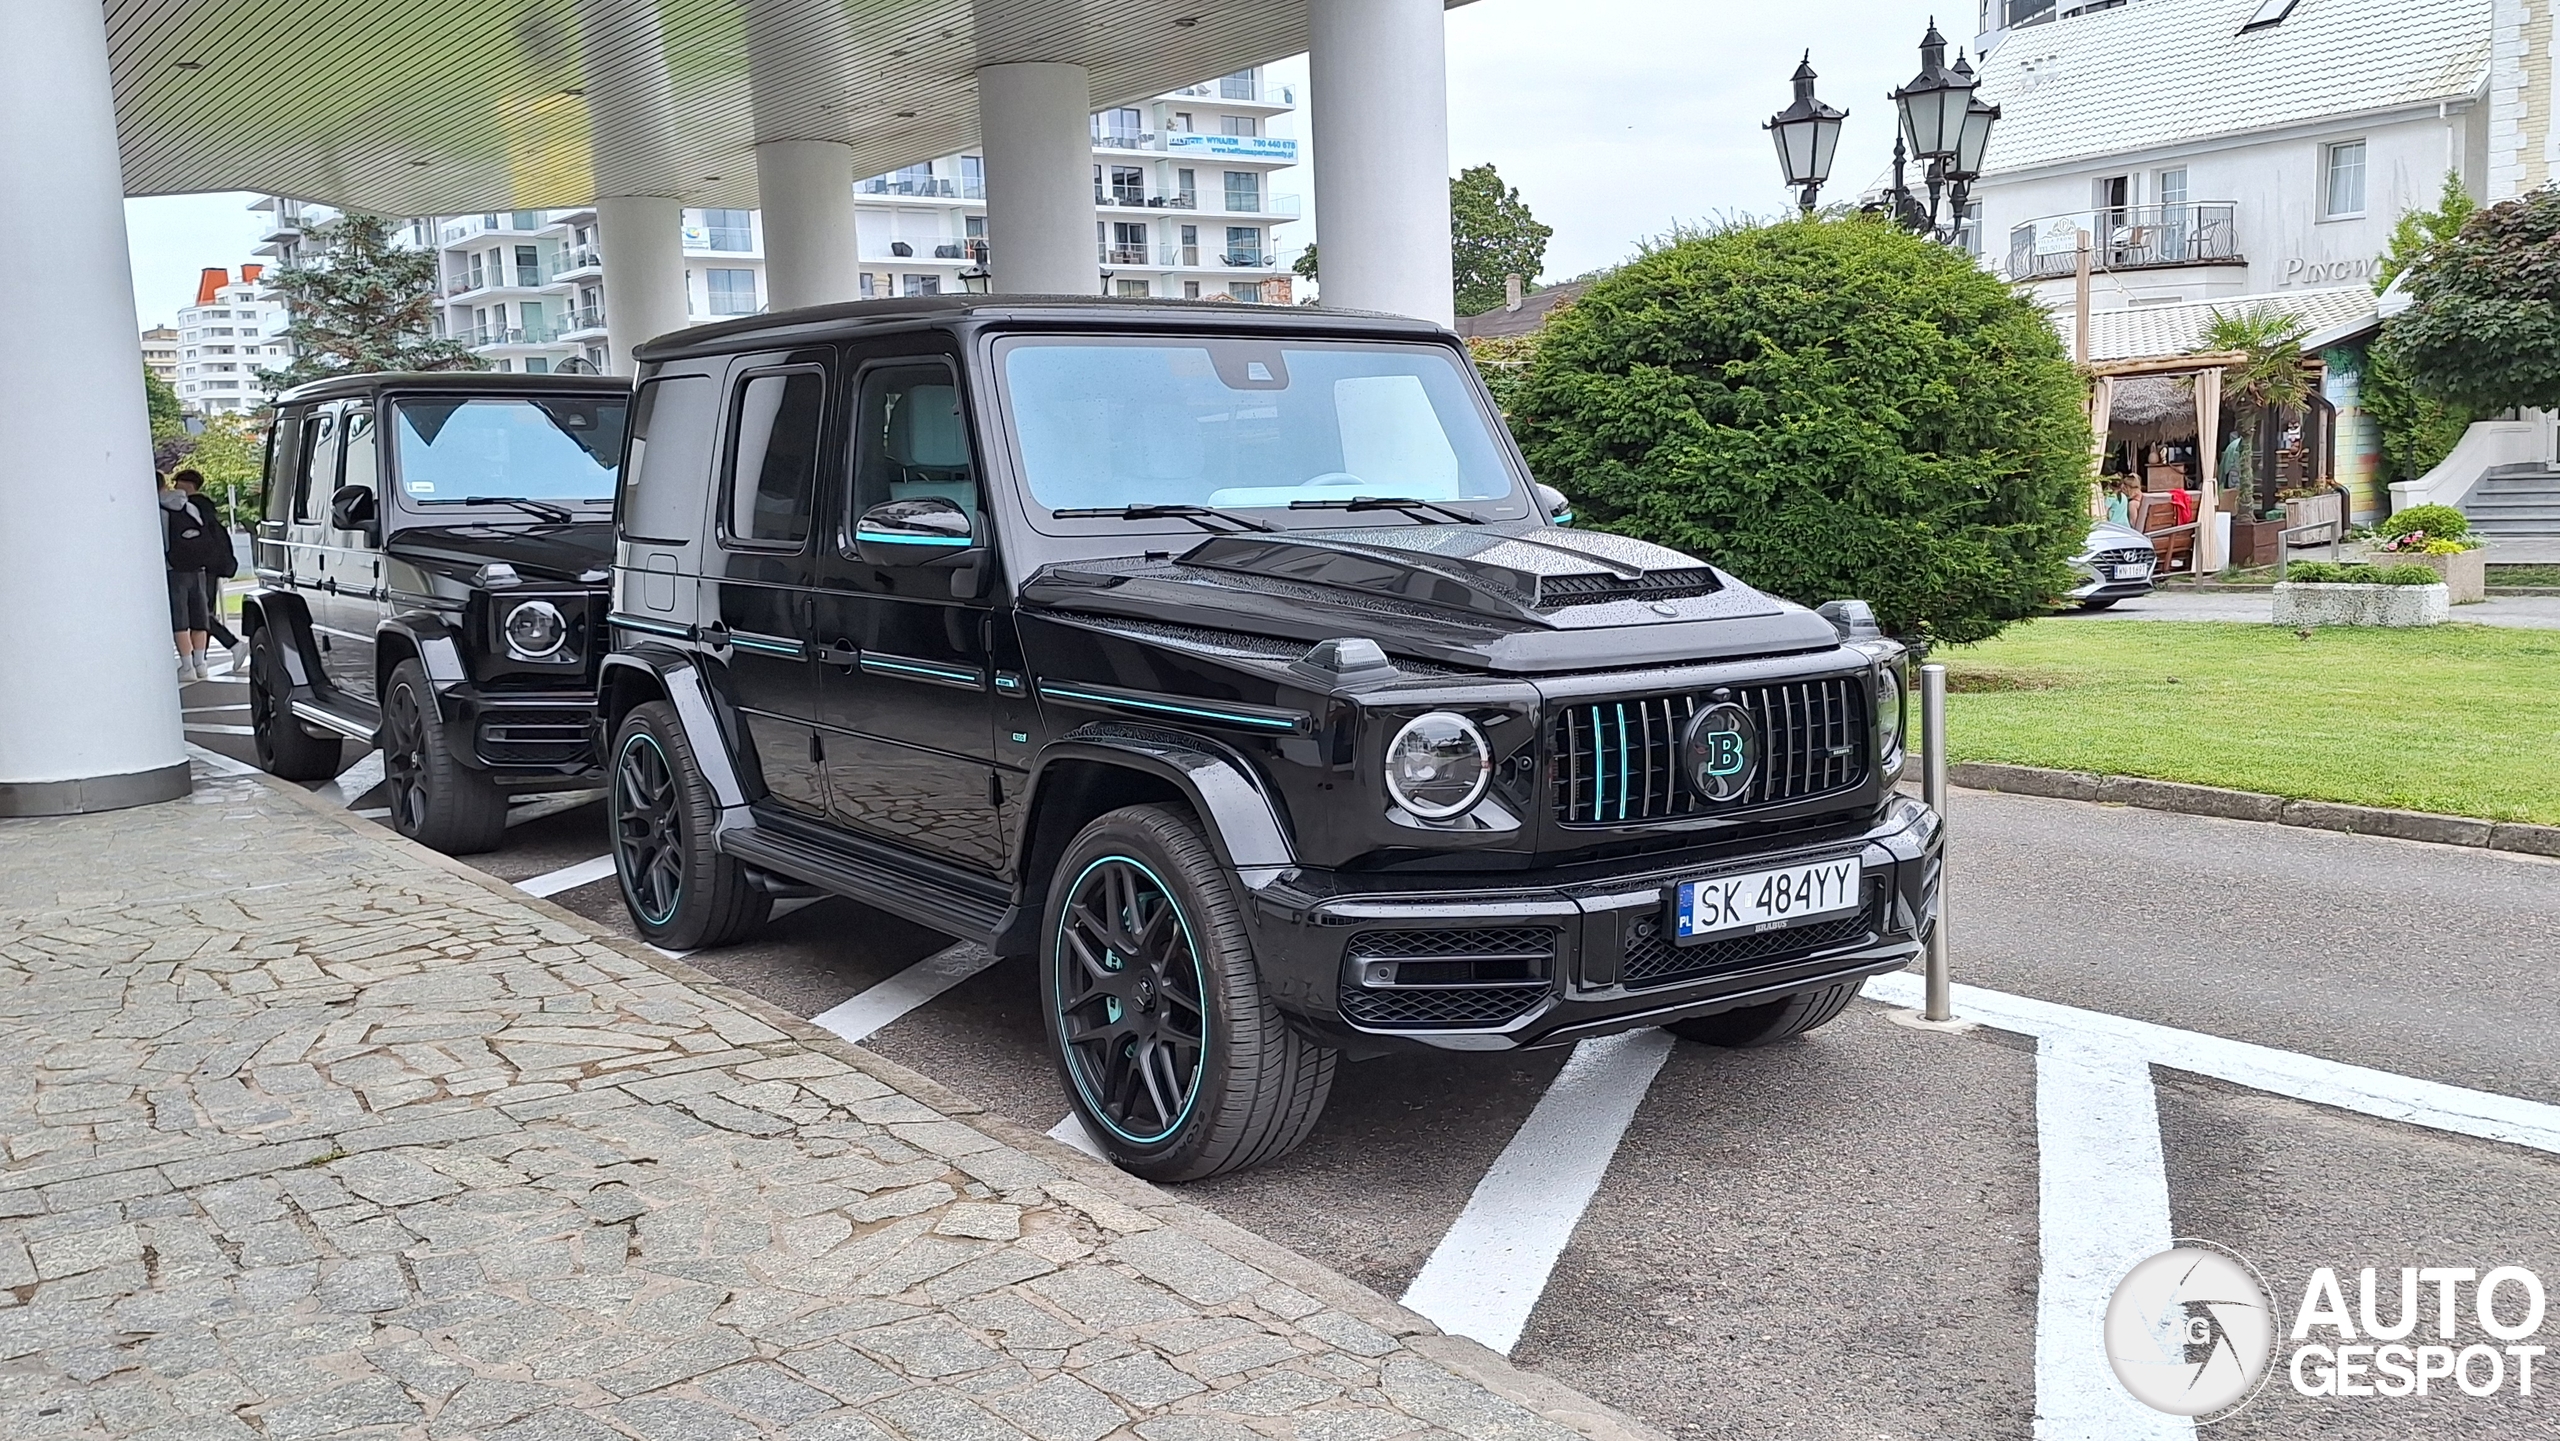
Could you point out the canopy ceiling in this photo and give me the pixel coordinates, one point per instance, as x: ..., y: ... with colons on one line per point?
x: 436, y: 107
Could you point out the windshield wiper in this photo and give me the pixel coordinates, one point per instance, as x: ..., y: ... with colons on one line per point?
x: 535, y: 508
x: 1406, y: 504
x: 1199, y: 515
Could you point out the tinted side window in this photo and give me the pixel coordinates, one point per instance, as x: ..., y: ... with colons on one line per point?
x: 674, y: 422
x: 773, y: 456
x: 912, y: 438
x: 275, y: 495
x: 316, y: 470
x: 361, y: 463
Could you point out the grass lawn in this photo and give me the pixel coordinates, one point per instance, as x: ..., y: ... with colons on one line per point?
x: 2457, y: 719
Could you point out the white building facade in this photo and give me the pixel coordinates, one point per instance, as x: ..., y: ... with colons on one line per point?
x: 234, y: 330
x: 2214, y: 149
x: 1185, y: 208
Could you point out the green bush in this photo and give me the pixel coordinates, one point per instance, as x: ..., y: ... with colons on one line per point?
x: 1827, y: 408
x: 2321, y: 572
x: 2440, y: 522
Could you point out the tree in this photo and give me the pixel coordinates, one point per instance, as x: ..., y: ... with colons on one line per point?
x: 2268, y: 385
x: 2417, y: 431
x: 2482, y: 331
x: 1491, y: 235
x: 1828, y: 408
x: 231, y: 456
x: 1305, y: 264
x: 169, y: 439
x: 367, y: 305
x: 2422, y: 231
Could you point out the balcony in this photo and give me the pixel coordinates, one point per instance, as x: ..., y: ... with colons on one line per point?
x: 1123, y: 254
x: 939, y: 187
x: 1126, y: 140
x: 479, y: 336
x: 571, y: 261
x: 1250, y: 259
x: 2132, y: 237
x: 582, y: 321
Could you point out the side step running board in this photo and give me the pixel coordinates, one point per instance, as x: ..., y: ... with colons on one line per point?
x: 919, y: 898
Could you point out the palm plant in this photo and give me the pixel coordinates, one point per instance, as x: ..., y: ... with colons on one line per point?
x: 2267, y: 386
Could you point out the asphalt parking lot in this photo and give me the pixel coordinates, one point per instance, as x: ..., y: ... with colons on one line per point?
x: 1856, y: 1235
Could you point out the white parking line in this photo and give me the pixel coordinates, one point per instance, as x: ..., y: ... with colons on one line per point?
x: 2103, y: 1205
x: 209, y: 728
x: 209, y: 709
x: 1486, y: 1275
x: 550, y: 805
x: 552, y: 883
x: 353, y: 782
x: 1072, y: 1132
x: 218, y: 763
x: 2362, y: 1089
x: 903, y: 992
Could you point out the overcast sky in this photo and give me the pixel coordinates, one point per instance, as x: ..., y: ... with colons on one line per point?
x: 1615, y: 118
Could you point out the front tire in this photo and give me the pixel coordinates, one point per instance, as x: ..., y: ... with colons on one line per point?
x: 284, y: 748
x: 1176, y: 1061
x: 1766, y: 1025
x: 436, y: 800
x: 682, y: 893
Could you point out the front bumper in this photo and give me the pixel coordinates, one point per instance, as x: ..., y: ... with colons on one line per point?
x: 1510, y: 965
x: 2099, y: 583
x: 524, y: 740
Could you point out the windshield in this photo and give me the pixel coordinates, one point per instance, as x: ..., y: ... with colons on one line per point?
x: 1251, y: 425
x: 557, y: 448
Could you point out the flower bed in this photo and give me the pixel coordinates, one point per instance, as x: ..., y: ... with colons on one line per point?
x: 2315, y: 593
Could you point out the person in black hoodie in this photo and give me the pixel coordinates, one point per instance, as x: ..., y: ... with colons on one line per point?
x: 191, y: 536
x: 225, y: 565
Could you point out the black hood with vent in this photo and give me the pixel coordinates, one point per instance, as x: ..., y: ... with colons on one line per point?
x: 1519, y: 597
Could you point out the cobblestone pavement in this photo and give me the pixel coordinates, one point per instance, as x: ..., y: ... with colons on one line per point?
x: 312, y: 1134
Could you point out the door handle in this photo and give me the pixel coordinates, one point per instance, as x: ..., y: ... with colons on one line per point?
x: 844, y: 653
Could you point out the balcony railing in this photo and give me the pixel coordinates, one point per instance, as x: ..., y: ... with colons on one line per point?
x: 2129, y: 237
x: 939, y: 187
x: 1250, y: 259
x: 1125, y: 140
x: 1123, y: 254
x: 583, y: 318
x: 567, y: 262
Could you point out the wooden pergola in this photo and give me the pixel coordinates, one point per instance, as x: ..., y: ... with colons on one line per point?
x: 2205, y: 372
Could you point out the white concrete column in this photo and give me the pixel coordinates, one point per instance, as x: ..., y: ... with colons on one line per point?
x: 638, y: 179
x: 1380, y: 113
x: 1035, y: 122
x: 88, y: 676
x: 810, y: 253
x: 799, y: 68
x: 643, y: 246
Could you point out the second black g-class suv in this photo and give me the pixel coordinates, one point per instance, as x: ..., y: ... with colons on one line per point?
x: 1227, y: 661
x: 432, y: 569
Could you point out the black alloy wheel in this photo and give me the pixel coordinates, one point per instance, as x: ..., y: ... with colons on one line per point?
x: 682, y: 891
x: 648, y: 834
x: 436, y: 800
x: 1131, y: 1016
x: 1178, y: 1063
x: 284, y: 747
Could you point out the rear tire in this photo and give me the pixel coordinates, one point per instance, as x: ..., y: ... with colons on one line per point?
x: 682, y: 893
x: 284, y: 748
x: 436, y: 800
x: 1176, y: 1061
x: 1766, y: 1025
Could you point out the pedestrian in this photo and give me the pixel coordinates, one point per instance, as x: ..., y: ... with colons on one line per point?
x: 189, y: 535
x: 225, y: 566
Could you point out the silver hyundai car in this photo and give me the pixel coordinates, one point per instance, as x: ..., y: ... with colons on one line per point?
x: 2117, y: 563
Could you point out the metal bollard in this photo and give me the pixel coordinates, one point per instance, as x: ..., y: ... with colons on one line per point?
x: 1939, y: 1002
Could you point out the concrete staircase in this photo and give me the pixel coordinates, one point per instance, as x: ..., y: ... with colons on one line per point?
x: 2515, y: 501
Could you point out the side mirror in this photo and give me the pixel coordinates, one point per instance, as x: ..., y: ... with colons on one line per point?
x: 351, y: 508
x: 1552, y: 501
x: 928, y: 530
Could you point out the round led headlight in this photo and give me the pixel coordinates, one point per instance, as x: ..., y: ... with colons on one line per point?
x: 1438, y: 765
x: 535, y: 630
x: 1890, y: 689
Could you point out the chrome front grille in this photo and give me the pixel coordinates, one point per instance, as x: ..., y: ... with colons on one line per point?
x: 1618, y: 762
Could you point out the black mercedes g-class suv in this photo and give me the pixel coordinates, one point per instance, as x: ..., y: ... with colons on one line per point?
x: 432, y: 568
x: 1227, y: 661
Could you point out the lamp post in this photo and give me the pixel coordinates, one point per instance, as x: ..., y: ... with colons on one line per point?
x: 1807, y: 133
x: 1939, y: 122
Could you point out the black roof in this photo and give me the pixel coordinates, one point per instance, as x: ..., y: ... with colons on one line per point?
x: 818, y: 322
x: 483, y: 382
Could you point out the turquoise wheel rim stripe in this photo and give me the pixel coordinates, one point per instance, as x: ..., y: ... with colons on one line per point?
x: 622, y: 859
x: 1095, y: 1105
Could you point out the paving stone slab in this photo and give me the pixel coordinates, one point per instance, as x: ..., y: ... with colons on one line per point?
x: 330, y: 1136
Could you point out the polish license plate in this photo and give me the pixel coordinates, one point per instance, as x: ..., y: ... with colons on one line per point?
x: 1757, y: 901
x: 2140, y: 571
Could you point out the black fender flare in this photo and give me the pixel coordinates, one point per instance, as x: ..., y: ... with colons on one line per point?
x: 284, y: 610
x: 1245, y: 824
x: 683, y: 679
x: 432, y: 638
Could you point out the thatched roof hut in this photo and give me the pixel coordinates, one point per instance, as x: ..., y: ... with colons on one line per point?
x: 2150, y: 409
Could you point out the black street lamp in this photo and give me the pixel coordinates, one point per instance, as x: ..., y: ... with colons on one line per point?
x: 1807, y: 133
x: 1940, y: 122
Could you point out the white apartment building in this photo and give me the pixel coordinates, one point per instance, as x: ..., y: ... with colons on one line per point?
x: 160, y: 352
x: 2215, y: 149
x: 1184, y: 204
x: 234, y: 330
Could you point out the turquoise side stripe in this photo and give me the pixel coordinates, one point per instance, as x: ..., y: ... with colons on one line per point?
x: 765, y: 647
x: 1168, y: 708
x: 930, y: 672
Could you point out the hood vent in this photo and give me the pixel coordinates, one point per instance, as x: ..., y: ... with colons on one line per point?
x: 1598, y: 588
